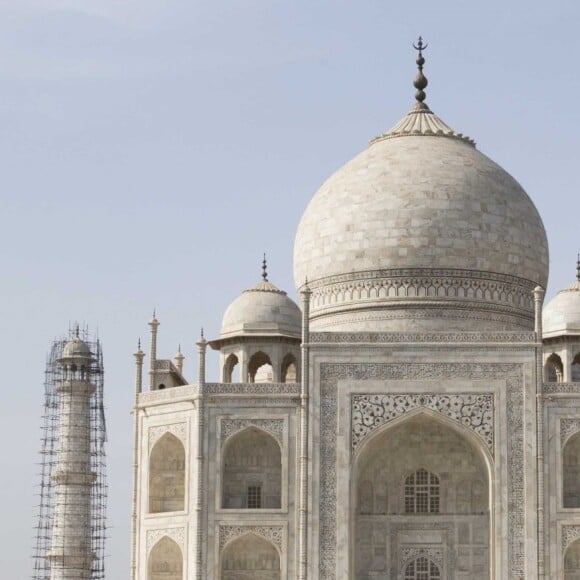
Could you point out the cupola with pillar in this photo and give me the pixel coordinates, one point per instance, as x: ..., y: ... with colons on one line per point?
x: 421, y: 231
x: 260, y: 336
x: 561, y: 334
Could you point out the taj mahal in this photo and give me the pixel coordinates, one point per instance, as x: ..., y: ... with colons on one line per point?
x: 415, y: 416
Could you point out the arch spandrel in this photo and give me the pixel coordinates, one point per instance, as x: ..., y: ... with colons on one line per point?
x: 371, y: 414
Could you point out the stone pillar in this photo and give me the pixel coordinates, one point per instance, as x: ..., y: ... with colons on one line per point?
x: 538, y: 300
x: 304, y: 407
x: 70, y: 555
x: 139, y: 355
x: 154, y: 325
x: 200, y: 534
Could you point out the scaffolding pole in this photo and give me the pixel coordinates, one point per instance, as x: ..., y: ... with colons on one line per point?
x: 71, y: 519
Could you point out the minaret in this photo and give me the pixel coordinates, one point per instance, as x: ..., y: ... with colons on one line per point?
x: 71, y: 553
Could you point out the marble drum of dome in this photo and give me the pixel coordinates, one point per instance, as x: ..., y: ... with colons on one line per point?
x: 421, y: 231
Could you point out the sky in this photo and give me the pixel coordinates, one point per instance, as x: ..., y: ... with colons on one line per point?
x: 151, y: 151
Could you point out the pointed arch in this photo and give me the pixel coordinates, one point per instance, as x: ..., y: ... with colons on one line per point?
x: 252, y: 471
x: 429, y: 458
x: 575, y: 370
x: 230, y: 365
x: 256, y: 363
x: 571, y: 472
x: 289, y: 370
x: 572, y: 561
x: 167, y: 475
x: 554, y: 369
x: 165, y: 561
x: 250, y: 556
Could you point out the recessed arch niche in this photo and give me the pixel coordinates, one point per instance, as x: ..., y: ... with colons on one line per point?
x: 167, y: 475
x: 252, y: 471
x: 165, y: 561
x: 572, y: 561
x: 250, y: 557
x: 571, y: 472
x: 420, y: 448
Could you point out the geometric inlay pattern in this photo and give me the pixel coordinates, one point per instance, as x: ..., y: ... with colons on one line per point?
x: 474, y: 411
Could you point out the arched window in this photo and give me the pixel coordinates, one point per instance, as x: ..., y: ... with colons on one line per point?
x: 260, y: 368
x: 250, y: 557
x: 576, y: 369
x: 571, y: 472
x: 229, y: 367
x: 422, y: 493
x: 422, y: 569
x: 165, y: 561
x: 554, y: 369
x: 167, y: 475
x: 252, y: 471
x: 289, y: 369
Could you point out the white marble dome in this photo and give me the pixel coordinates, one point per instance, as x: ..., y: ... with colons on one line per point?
x: 76, y: 348
x: 420, y: 208
x: 262, y: 310
x: 561, y: 316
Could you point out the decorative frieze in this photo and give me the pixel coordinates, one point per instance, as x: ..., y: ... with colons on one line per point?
x: 421, y: 285
x: 273, y: 426
x: 369, y: 412
x: 251, y: 389
x: 567, y: 428
x: 332, y: 373
x: 176, y: 534
x: 561, y: 388
x: 177, y: 429
x: 421, y: 337
x: 274, y: 534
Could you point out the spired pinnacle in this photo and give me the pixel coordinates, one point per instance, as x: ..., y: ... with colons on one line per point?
x: 578, y: 268
x: 420, y: 82
x: 264, y: 269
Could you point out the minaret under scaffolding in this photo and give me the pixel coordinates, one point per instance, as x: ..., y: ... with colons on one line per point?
x: 71, y: 528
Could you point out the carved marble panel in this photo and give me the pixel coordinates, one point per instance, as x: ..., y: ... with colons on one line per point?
x: 570, y: 534
x: 274, y: 534
x: 176, y: 534
x: 567, y: 428
x: 474, y: 411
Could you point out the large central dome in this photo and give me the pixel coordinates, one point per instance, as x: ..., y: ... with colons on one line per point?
x: 422, y: 230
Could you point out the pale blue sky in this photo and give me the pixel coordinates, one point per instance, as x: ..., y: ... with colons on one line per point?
x: 152, y: 150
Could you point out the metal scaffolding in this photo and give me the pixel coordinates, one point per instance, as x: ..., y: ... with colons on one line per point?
x: 71, y: 525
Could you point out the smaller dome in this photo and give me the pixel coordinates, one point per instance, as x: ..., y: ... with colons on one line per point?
x: 76, y: 348
x: 561, y: 315
x: 262, y: 310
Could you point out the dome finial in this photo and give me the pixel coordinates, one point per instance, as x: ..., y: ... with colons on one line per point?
x: 420, y: 82
x: 264, y: 269
x: 578, y: 268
